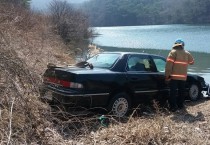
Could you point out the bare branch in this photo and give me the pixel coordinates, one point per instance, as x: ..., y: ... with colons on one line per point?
x: 72, y: 25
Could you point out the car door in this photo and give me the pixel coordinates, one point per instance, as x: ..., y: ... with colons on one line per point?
x: 141, y: 76
x: 160, y: 63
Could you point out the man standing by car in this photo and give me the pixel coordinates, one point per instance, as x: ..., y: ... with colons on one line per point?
x: 176, y: 73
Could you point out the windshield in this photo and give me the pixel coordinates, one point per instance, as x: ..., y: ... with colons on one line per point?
x: 104, y: 60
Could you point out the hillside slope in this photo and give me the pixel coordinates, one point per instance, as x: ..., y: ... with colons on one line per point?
x: 26, y: 47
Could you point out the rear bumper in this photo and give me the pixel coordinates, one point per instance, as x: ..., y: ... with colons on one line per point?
x: 63, y: 92
x: 75, y: 98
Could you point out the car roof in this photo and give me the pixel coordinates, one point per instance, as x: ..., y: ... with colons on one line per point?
x: 128, y: 52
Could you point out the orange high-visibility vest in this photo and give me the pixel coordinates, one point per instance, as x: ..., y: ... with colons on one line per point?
x: 177, y: 63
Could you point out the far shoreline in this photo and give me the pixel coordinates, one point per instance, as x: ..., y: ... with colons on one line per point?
x: 162, y: 52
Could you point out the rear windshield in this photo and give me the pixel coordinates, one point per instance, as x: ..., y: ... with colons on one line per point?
x: 104, y: 60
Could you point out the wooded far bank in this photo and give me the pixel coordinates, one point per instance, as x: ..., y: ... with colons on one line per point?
x: 147, y: 12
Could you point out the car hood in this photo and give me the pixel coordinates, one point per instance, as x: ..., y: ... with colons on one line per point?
x: 194, y: 75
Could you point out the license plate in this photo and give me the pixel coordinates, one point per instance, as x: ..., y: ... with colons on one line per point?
x: 48, y: 95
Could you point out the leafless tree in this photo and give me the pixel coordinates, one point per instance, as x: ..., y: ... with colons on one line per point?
x: 72, y: 25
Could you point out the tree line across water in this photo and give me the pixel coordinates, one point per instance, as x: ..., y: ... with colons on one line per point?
x: 22, y: 3
x: 73, y: 24
x: 147, y: 12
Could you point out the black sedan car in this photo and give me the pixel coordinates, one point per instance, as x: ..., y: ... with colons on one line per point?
x: 115, y: 81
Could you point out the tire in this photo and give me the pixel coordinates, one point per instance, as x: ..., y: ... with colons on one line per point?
x: 194, y: 92
x: 120, y: 105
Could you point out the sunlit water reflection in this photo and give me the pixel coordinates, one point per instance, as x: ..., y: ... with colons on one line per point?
x: 158, y: 39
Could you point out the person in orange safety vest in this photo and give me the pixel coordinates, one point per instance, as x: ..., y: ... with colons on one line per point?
x: 176, y: 73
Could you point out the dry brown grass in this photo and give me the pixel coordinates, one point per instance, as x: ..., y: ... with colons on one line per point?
x: 188, y: 127
x: 26, y: 47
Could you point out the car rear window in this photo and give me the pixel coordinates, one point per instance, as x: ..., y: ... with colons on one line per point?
x: 104, y: 60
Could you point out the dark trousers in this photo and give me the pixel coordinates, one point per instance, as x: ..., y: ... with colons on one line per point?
x: 176, y: 100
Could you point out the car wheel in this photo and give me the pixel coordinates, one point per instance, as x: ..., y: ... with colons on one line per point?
x: 120, y: 105
x: 194, y: 92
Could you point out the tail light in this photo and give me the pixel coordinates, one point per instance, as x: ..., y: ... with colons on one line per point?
x: 63, y: 83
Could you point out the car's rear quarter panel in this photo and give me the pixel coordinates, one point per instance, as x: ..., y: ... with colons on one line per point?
x: 101, y: 85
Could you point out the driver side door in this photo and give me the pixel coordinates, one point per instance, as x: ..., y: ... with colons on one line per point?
x: 141, y: 76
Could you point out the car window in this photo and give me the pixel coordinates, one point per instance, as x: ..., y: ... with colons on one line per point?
x: 160, y: 64
x: 104, y: 60
x: 139, y: 63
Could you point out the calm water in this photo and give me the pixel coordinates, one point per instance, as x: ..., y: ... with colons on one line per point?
x: 158, y: 39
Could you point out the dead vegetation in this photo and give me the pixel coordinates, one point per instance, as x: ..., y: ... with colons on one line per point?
x: 71, y: 24
x: 27, y: 45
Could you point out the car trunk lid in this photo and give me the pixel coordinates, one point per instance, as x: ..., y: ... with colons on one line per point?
x: 60, y: 76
